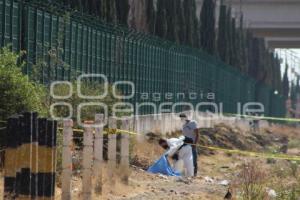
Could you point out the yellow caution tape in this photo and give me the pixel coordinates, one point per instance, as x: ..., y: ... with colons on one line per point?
x: 240, y: 115
x: 232, y: 151
x: 107, y: 131
x: 124, y: 131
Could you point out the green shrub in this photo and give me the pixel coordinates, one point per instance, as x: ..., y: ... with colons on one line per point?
x: 18, y: 93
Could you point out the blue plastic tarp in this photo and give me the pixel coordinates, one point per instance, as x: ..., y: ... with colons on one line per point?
x: 162, y: 166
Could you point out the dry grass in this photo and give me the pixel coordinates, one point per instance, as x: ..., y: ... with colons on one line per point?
x: 252, y: 181
x: 282, y: 130
x: 145, y: 153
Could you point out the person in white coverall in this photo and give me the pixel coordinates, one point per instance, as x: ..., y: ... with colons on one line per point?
x: 179, y: 149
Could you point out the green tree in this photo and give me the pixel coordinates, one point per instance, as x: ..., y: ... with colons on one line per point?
x: 229, y: 37
x: 108, y: 11
x: 180, y: 21
x: 297, y: 87
x: 207, y: 30
x: 172, y: 22
x: 150, y: 16
x: 18, y: 93
x: 293, y: 95
x: 278, y: 78
x: 242, y: 47
x: 192, y: 38
x: 161, y: 26
x: 270, y: 68
x: 197, y: 34
x: 285, y: 83
x: 222, y: 44
x: 233, y: 47
x: 122, y: 9
x: 262, y: 73
x: 251, y: 52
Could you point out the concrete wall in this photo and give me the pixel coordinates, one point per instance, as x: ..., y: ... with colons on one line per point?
x: 167, y: 123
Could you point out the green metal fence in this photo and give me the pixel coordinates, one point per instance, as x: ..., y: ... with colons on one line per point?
x: 62, y: 45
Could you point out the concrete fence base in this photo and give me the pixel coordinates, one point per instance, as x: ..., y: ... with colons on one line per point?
x: 167, y: 123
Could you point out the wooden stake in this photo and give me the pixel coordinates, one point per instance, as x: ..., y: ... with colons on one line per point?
x: 98, y: 154
x: 67, y: 159
x: 125, y: 151
x: 112, y: 148
x: 87, y: 162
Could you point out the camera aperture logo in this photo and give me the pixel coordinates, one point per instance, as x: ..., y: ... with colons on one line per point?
x: 93, y: 101
x: 135, y: 108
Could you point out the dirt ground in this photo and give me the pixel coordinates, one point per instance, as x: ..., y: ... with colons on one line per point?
x: 210, y: 184
x: 146, y: 186
x: 218, y: 171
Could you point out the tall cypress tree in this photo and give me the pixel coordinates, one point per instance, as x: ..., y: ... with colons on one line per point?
x: 108, y: 11
x: 243, y: 47
x: 207, y: 30
x: 222, y: 40
x: 297, y: 89
x: 238, y: 50
x: 229, y: 36
x: 161, y: 26
x: 233, y: 46
x: 197, y: 34
x: 262, y: 57
x: 150, y: 16
x: 91, y: 7
x: 293, y: 96
x: 180, y: 21
x: 77, y: 4
x: 249, y: 56
x: 270, y: 69
x: 112, y: 17
x: 104, y: 11
x: 172, y: 29
x: 122, y: 9
x: 189, y: 7
x: 285, y: 83
x: 279, y: 79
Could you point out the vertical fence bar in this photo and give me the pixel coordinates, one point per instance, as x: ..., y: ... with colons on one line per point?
x: 2, y: 22
x: 98, y: 154
x: 8, y: 22
x: 87, y: 161
x: 112, y: 148
x: 125, y: 151
x: 67, y: 159
x: 93, y: 41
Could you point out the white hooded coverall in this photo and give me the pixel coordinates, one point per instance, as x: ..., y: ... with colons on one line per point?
x: 184, y: 153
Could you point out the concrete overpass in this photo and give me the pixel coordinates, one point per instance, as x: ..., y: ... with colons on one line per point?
x: 278, y: 21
